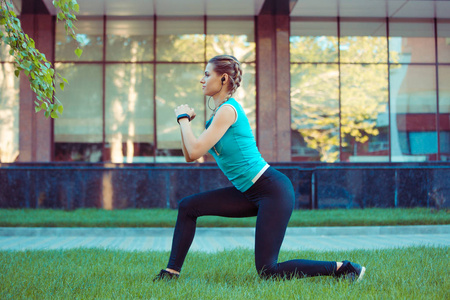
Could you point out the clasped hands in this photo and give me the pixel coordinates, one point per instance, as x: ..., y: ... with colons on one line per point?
x: 185, y: 109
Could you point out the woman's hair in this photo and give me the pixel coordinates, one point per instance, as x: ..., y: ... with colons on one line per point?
x: 230, y: 65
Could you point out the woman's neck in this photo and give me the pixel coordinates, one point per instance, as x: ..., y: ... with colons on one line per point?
x: 219, y: 99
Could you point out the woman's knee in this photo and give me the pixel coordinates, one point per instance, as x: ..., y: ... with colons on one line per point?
x: 186, y: 205
x: 266, y: 272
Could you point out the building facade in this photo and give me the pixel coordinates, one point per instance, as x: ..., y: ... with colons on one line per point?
x: 324, y: 81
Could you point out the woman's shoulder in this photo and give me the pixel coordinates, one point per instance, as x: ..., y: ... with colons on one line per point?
x: 234, y: 103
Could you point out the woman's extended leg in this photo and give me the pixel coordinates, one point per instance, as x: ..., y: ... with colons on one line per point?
x: 274, y: 195
x: 226, y: 202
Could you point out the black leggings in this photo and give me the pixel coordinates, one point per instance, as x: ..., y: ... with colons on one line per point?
x: 271, y: 199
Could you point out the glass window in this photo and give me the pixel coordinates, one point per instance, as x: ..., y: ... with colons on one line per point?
x: 315, y: 112
x: 177, y: 84
x: 180, y: 40
x: 443, y: 41
x: 411, y: 41
x: 363, y: 41
x: 444, y: 112
x: 314, y: 41
x: 129, y: 39
x: 364, y: 113
x: 127, y: 131
x: 129, y: 113
x: 9, y: 113
x: 246, y: 94
x: 79, y: 132
x: 413, y: 112
x: 90, y: 36
x: 233, y: 37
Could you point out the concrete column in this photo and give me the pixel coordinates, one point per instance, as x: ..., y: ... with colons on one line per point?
x: 273, y: 83
x: 36, y: 132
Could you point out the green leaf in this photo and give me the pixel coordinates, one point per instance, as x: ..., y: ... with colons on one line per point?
x: 61, y: 16
x: 17, y: 73
x: 37, y: 109
x: 47, y: 114
x: 65, y: 80
x: 78, y: 52
x: 76, y: 8
x: 61, y: 85
x: 54, y: 115
x: 60, y: 109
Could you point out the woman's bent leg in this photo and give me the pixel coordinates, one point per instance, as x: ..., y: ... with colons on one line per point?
x: 226, y: 202
x: 275, y: 204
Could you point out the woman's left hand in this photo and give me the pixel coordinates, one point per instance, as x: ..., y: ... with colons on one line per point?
x: 185, y: 109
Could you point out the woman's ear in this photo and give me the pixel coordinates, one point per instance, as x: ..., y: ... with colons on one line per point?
x: 224, y: 78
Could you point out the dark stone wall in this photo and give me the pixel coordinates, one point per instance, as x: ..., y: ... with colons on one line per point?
x: 110, y: 186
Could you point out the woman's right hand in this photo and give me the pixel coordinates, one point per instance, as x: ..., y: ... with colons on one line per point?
x: 185, y: 109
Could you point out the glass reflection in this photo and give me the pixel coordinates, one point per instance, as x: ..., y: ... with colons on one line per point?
x: 234, y: 37
x: 129, y: 39
x: 246, y: 94
x: 314, y: 42
x: 364, y: 118
x: 413, y: 113
x: 79, y: 132
x: 363, y: 42
x: 315, y: 112
x: 411, y: 41
x: 180, y: 40
x: 129, y: 113
x: 177, y: 84
x: 443, y: 41
x: 90, y: 36
x: 9, y: 113
x: 444, y: 112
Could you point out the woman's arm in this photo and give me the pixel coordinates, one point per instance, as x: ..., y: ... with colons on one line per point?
x: 197, y: 147
x: 185, y: 153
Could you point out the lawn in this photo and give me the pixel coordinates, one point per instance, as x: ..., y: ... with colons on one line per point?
x: 167, y: 217
x: 407, y: 273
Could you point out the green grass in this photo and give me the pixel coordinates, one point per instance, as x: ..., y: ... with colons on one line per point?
x: 407, y: 273
x: 167, y: 217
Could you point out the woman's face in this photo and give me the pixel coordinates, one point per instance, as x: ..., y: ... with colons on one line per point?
x: 211, y: 83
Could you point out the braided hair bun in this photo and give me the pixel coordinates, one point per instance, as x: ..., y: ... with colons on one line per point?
x: 227, y: 64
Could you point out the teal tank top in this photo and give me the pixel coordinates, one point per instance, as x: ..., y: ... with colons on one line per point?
x: 236, y: 153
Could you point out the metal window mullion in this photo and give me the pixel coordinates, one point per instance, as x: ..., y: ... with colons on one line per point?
x: 340, y: 93
x: 155, y: 139
x: 389, y: 90
x: 437, y: 91
x: 256, y: 37
x: 205, y: 30
x: 104, y: 90
x: 52, y: 125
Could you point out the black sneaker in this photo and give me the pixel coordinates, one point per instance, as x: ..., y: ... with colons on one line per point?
x: 166, y: 275
x: 351, y: 271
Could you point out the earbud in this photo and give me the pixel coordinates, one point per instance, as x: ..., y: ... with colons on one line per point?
x: 223, y: 79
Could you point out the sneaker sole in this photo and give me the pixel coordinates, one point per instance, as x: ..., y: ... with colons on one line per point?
x: 363, y: 270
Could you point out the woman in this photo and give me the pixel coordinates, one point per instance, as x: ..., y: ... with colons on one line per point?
x: 258, y: 189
